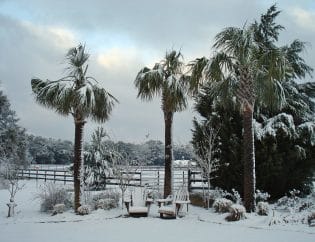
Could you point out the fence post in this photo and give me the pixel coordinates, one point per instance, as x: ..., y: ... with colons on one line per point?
x: 140, y: 178
x: 189, y: 180
x: 54, y: 176
x: 158, y: 180
x: 64, y: 177
x: 45, y: 175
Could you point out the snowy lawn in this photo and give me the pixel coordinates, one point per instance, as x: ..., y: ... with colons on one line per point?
x: 30, y: 225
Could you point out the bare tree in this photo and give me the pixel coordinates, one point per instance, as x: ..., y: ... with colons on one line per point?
x: 205, y: 154
x: 9, y: 174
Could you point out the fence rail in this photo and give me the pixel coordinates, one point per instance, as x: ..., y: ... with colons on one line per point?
x: 66, y: 176
x: 146, y: 176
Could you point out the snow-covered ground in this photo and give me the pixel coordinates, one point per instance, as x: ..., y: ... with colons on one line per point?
x: 30, y: 225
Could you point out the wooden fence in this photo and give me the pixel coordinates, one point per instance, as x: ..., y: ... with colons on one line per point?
x: 146, y: 176
x: 66, y: 176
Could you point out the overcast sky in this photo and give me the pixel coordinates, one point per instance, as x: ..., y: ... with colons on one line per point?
x: 122, y: 37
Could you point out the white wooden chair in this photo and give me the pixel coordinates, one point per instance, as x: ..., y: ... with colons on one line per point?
x: 138, y: 206
x: 179, y: 200
x: 165, y: 201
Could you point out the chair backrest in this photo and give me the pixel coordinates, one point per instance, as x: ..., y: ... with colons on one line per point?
x: 139, y: 196
x: 181, y: 195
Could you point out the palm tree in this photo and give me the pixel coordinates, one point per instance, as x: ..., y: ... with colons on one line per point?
x: 248, y: 61
x: 167, y: 81
x: 79, y: 95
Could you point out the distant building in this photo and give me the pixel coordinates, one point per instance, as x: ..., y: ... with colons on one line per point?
x: 184, y: 163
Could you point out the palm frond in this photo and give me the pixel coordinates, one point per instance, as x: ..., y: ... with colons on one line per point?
x: 55, y: 95
x: 218, y: 66
x: 196, y: 69
x: 299, y: 68
x: 149, y: 82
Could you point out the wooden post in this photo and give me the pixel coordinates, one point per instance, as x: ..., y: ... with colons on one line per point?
x: 64, y: 177
x: 158, y: 180
x: 189, y: 180
x: 54, y: 176
x: 140, y: 178
x: 45, y: 175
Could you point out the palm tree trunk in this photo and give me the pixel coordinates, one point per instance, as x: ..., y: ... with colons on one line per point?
x: 77, y: 163
x: 168, y: 173
x: 249, y: 159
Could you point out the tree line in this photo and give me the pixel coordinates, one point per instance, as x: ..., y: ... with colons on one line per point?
x: 19, y: 146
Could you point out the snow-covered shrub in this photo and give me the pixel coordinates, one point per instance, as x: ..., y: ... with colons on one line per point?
x: 262, y: 208
x: 106, y: 200
x: 107, y: 203
x: 59, y: 208
x: 293, y: 204
x: 237, y: 212
x: 236, y: 197
x: 311, y: 218
x: 51, y: 194
x: 84, y: 210
x: 215, y: 194
x: 261, y: 196
x: 222, y: 205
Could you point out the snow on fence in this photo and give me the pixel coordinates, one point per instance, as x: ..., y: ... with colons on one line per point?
x: 150, y: 176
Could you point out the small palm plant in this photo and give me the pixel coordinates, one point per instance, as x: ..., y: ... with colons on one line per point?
x: 78, y: 95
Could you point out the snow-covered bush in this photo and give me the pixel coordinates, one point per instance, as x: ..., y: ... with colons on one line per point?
x: 106, y: 200
x: 261, y: 196
x: 84, y: 210
x: 311, y: 218
x: 262, y: 208
x: 107, y: 203
x: 222, y: 205
x: 216, y: 194
x: 59, y: 208
x: 237, y: 212
x: 236, y: 197
x: 291, y: 203
x: 51, y: 194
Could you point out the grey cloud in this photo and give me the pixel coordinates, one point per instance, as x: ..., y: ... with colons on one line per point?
x: 158, y: 24
x: 28, y: 55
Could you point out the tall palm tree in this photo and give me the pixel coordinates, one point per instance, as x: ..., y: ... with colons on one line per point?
x: 248, y: 61
x: 166, y: 80
x: 79, y: 95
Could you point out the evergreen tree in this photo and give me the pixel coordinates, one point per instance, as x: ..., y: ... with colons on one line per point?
x: 248, y: 61
x: 285, y: 142
x: 13, y: 142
